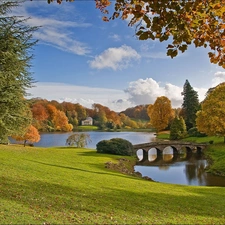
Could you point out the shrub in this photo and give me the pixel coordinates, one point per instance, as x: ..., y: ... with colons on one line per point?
x: 116, y: 146
x: 177, y: 129
x: 193, y: 132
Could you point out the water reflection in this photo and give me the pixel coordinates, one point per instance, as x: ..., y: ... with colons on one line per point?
x: 152, y: 154
x: 185, y: 168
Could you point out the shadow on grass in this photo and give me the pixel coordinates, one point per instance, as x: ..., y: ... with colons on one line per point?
x: 96, y: 154
x: 98, y: 166
x: 42, y: 196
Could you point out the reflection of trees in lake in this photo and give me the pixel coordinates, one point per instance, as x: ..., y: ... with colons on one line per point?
x: 168, y: 150
x: 167, y: 157
x: 164, y: 167
x: 196, y: 171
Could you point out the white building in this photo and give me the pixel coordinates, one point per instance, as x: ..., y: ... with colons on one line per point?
x: 87, y: 122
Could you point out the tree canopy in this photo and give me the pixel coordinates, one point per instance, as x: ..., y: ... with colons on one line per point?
x: 15, y: 77
x: 190, y: 105
x: 160, y: 113
x: 210, y: 119
x: 32, y: 135
x: 179, y: 22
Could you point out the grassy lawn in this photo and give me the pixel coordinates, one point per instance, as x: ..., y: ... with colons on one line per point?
x: 72, y: 186
x: 88, y: 128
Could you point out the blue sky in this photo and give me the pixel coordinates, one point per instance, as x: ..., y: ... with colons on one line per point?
x: 80, y: 58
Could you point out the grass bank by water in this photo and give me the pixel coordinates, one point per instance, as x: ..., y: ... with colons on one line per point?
x: 72, y: 186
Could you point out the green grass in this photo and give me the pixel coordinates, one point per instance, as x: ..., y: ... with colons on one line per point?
x: 88, y: 128
x: 216, y: 140
x: 72, y: 186
x: 163, y: 136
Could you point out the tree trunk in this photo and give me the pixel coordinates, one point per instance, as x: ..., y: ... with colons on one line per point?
x: 25, y: 143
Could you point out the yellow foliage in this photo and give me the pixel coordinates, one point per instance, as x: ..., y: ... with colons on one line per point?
x: 211, y: 118
x: 160, y: 113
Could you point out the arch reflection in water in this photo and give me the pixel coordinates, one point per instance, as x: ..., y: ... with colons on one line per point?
x: 167, y: 154
x: 140, y: 154
x: 152, y: 154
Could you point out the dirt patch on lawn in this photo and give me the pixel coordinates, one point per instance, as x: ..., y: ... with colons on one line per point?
x: 125, y: 166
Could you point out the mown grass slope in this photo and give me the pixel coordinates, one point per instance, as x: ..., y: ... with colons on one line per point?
x: 70, y: 185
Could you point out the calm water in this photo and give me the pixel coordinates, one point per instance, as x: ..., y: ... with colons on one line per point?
x: 167, y: 168
x: 59, y: 139
x: 190, y: 171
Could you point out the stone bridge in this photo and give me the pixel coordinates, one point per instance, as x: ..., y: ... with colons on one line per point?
x: 178, y: 147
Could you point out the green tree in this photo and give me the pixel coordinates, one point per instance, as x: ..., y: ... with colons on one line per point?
x: 102, y: 119
x: 211, y: 118
x: 177, y: 128
x: 15, y: 77
x: 79, y: 140
x: 160, y: 113
x: 190, y: 105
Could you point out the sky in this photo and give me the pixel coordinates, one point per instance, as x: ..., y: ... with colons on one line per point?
x: 80, y: 58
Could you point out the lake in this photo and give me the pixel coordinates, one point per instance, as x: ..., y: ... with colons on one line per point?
x: 189, y: 171
x: 59, y: 139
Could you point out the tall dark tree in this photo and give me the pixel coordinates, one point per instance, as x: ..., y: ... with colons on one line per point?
x: 15, y: 77
x: 190, y: 105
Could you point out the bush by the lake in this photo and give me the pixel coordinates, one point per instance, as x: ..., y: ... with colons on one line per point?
x: 116, y: 146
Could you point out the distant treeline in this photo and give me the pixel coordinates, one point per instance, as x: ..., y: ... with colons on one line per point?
x: 67, y: 116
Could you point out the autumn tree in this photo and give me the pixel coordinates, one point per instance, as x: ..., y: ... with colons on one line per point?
x: 15, y: 77
x: 190, y: 105
x: 40, y: 115
x: 160, y: 113
x: 180, y: 23
x: 127, y: 122
x: 210, y: 119
x: 32, y: 135
x: 60, y: 121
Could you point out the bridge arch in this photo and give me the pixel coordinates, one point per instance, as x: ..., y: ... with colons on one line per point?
x: 178, y: 148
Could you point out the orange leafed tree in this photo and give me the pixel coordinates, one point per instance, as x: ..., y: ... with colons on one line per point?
x: 32, y: 135
x: 39, y: 112
x: 160, y: 113
x: 60, y: 121
x: 179, y: 22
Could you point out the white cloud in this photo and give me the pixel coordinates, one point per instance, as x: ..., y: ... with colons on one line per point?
x: 54, y: 31
x: 86, y: 96
x: 115, y: 58
x: 142, y: 91
x: 219, y: 77
x: 146, y: 91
